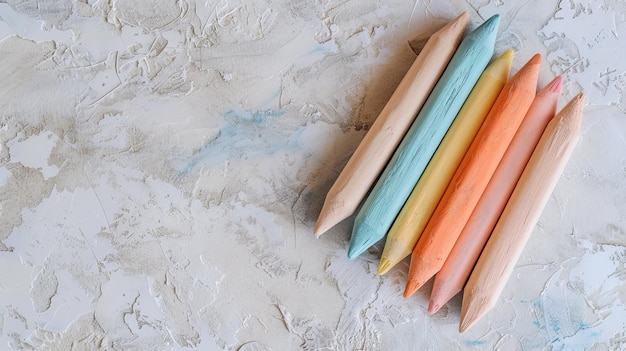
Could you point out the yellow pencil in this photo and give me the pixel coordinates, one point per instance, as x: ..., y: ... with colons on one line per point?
x: 416, y: 212
x: 381, y: 141
x: 521, y: 213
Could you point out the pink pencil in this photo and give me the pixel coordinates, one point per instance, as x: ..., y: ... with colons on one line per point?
x: 458, y: 266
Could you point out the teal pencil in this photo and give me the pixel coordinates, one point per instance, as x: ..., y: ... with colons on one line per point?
x: 420, y: 143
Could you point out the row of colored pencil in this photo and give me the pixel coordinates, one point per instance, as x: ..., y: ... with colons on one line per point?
x: 465, y: 159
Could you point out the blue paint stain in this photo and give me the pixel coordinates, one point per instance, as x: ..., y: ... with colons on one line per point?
x: 559, y: 314
x: 257, y: 117
x: 474, y: 342
x: 247, y: 133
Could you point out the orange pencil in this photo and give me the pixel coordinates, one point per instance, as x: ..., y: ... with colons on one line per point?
x: 458, y: 266
x: 473, y: 175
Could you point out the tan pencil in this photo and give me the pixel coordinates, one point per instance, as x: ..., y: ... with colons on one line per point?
x: 521, y: 213
x: 473, y: 175
x: 454, y: 273
x: 381, y: 141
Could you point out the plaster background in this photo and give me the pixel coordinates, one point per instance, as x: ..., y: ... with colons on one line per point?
x: 162, y: 164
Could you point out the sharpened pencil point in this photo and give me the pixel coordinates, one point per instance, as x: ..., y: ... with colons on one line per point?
x: 384, y: 266
x: 535, y: 60
x: 420, y: 272
x: 357, y: 247
x: 468, y: 319
x: 363, y: 236
x: 433, y: 307
x: 411, y: 287
x: 507, y: 55
x: 329, y: 216
x: 555, y: 85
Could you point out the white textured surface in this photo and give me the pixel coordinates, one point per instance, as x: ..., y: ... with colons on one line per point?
x: 162, y: 164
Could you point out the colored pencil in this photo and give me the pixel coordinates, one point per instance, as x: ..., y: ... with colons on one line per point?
x: 458, y: 266
x: 381, y: 141
x: 415, y: 213
x: 472, y: 176
x: 420, y: 143
x: 521, y: 213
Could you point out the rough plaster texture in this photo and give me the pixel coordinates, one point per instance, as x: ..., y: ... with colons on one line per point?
x: 162, y: 164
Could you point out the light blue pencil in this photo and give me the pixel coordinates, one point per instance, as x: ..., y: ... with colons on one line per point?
x: 420, y: 143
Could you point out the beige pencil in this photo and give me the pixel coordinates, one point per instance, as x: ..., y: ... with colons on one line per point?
x: 521, y: 213
x: 381, y: 141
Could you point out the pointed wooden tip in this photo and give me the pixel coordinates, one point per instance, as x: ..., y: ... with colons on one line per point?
x: 473, y: 309
x: 420, y: 272
x: 461, y: 20
x: 410, y: 289
x: 468, y: 319
x: 363, y: 236
x: 321, y: 226
x: 573, y: 111
x: 492, y: 21
x: 433, y: 307
x: 529, y: 73
x: 507, y: 55
x: 535, y: 60
x: 501, y: 66
x: 578, y: 101
x: 555, y: 85
x: 441, y: 294
x: 415, y: 282
x: 330, y: 215
x: 486, y: 32
x: 384, y: 266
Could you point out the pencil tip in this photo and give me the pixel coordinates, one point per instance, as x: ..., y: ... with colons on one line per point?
x: 319, y: 228
x: 580, y: 97
x: 420, y: 272
x: 470, y: 313
x: 507, y: 55
x: 412, y: 286
x: 493, y: 18
x: 487, y: 31
x: 555, y: 85
x: 363, y: 236
x: 462, y: 17
x: 466, y: 322
x: 357, y: 247
x: 331, y: 214
x: 384, y: 266
x: 535, y: 60
x: 433, y: 307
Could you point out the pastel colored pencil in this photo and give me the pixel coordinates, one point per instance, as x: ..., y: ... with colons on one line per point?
x: 521, y: 213
x: 472, y: 176
x: 381, y: 140
x: 458, y: 266
x: 410, y: 159
x: 415, y: 213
